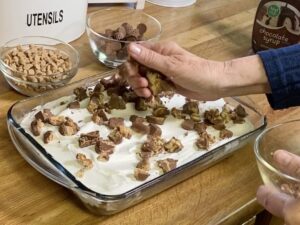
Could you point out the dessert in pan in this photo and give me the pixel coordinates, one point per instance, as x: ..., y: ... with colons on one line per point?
x: 112, y: 141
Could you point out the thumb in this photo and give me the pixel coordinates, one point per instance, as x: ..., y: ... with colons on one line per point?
x: 149, y: 58
x: 272, y: 200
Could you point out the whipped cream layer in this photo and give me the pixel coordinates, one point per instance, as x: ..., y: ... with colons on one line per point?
x: 115, y: 176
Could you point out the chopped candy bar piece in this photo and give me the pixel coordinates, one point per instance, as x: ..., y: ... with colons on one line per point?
x: 113, y: 122
x: 88, y: 139
x: 68, y: 127
x: 157, y: 84
x: 220, y: 126
x: 116, y: 102
x: 144, y: 164
x: 188, y: 124
x: 74, y: 105
x: 44, y: 115
x: 115, y: 136
x: 96, y: 102
x: 240, y: 111
x: 36, y: 127
x: 167, y: 164
x: 177, y: 113
x: 154, y: 130
x: 140, y: 104
x: 138, y: 119
x: 56, y: 120
x: 155, y: 120
x: 48, y: 137
x: 225, y: 134
x: 80, y: 93
x: 191, y: 107
x: 141, y: 174
x: 154, y: 144
x: 200, y: 127
x: 105, y: 146
x: 160, y: 111
x: 173, y: 145
x: 99, y: 117
x: 84, y: 161
x: 140, y: 127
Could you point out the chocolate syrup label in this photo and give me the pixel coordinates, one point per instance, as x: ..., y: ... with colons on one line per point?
x: 277, y: 24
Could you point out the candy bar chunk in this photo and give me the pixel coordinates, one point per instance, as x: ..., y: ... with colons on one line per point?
x: 204, y: 141
x: 96, y: 102
x: 177, y: 113
x: 142, y: 28
x: 160, y: 111
x: 99, y: 88
x: 154, y: 144
x: 154, y: 130
x: 84, y: 161
x: 44, y: 115
x: 74, y: 105
x: 156, y: 120
x: 125, y: 131
x: 220, y: 126
x: 115, y: 136
x: 191, y: 107
x: 105, y: 146
x: 157, y: 84
x: 167, y: 164
x: 68, y: 127
x: 144, y: 164
x: 116, y: 102
x: 225, y: 134
x: 48, y: 137
x: 56, y: 120
x: 173, y: 145
x: 200, y: 128
x: 138, y: 119
x: 140, y: 128
x: 36, y: 127
x: 129, y: 96
x: 141, y: 174
x: 213, y: 117
x: 114, y: 122
x: 188, y: 124
x: 240, y: 111
x: 88, y: 139
x: 80, y: 93
x: 99, y: 117
x: 140, y: 104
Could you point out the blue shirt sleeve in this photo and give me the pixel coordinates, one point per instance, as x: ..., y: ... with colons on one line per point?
x: 283, y: 70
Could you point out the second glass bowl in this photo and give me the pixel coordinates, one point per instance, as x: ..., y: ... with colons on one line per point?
x: 18, y: 76
x: 284, y: 136
x: 112, y: 52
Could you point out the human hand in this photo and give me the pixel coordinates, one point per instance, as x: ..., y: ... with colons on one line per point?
x: 278, y: 203
x: 192, y: 76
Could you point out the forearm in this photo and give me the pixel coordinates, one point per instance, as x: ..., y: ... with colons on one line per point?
x: 244, y: 76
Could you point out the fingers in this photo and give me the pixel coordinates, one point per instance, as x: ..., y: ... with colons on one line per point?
x: 287, y: 162
x: 273, y: 200
x: 137, y: 82
x: 148, y: 57
x: 143, y: 92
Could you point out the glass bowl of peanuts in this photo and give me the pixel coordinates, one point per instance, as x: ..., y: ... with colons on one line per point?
x: 34, y: 64
x: 268, y: 148
x: 111, y: 30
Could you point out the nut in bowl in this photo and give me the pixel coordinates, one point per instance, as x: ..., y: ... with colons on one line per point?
x: 32, y: 65
x: 111, y: 30
x: 284, y: 136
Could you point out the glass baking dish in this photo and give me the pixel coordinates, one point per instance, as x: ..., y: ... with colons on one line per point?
x: 101, y: 204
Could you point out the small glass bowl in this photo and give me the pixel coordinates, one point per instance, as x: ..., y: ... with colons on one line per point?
x: 113, y: 18
x: 18, y: 80
x: 284, y: 136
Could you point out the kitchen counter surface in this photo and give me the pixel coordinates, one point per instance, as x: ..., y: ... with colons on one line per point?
x: 223, y: 194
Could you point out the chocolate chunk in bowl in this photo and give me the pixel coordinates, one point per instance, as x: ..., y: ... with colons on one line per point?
x: 109, y: 38
x: 99, y: 201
